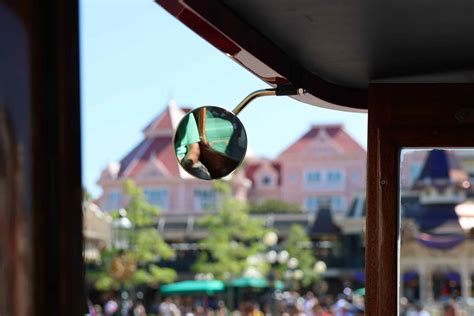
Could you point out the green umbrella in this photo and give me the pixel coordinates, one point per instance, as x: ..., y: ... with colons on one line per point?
x: 254, y: 283
x: 193, y: 286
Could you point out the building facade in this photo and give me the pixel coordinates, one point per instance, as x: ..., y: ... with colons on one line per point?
x: 324, y: 167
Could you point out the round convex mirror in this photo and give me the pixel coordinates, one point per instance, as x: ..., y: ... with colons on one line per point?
x: 210, y: 142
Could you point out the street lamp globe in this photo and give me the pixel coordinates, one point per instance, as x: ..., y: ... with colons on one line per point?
x: 209, y: 276
x: 283, y: 257
x: 121, y: 228
x: 293, y: 263
x: 272, y: 256
x: 320, y: 267
x: 298, y: 275
x: 270, y: 239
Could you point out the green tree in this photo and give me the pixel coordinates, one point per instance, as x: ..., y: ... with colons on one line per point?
x: 298, y: 246
x: 146, y: 246
x: 233, y: 236
x: 274, y: 206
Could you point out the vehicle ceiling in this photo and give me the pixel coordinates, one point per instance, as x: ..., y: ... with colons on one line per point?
x: 336, y: 48
x: 351, y: 43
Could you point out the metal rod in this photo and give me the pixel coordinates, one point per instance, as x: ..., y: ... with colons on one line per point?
x: 280, y: 90
x: 252, y: 96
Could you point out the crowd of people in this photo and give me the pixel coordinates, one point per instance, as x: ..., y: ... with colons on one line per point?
x: 287, y: 303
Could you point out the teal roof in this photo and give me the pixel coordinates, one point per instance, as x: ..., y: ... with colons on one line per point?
x: 193, y: 286
x: 253, y: 283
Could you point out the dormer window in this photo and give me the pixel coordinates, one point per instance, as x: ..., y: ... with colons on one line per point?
x: 267, y: 181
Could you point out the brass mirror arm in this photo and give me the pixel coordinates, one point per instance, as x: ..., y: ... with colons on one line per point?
x: 280, y: 90
x: 252, y: 96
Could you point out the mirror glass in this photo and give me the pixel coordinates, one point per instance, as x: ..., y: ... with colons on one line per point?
x: 210, y: 142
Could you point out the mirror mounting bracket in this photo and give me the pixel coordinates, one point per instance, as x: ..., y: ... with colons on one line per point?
x: 278, y: 91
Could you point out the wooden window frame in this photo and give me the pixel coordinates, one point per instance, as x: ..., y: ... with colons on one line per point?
x: 394, y: 124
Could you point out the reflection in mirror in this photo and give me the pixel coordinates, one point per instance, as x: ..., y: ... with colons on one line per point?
x: 436, y: 232
x: 210, y: 142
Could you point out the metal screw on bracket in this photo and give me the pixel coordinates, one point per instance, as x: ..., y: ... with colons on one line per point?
x: 383, y: 182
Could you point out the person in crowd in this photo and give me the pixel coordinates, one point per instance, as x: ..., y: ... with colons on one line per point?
x: 341, y: 307
x: 168, y: 308
x: 449, y: 310
x: 250, y: 309
x: 137, y: 309
x: 90, y: 307
x: 98, y: 310
x: 187, y: 147
x: 111, y: 308
x: 309, y: 302
x: 294, y: 309
x: 188, y: 311
x: 321, y: 310
x: 418, y: 311
x: 221, y: 310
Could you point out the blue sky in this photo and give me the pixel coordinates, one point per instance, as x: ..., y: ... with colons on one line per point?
x: 135, y: 57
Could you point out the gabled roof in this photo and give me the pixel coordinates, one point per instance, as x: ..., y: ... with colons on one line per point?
x: 252, y: 167
x: 166, y: 122
x: 441, y: 168
x: 157, y: 144
x: 334, y: 133
x: 160, y: 148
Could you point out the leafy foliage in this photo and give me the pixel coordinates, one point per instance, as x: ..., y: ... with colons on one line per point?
x: 146, y: 246
x: 274, y: 206
x: 233, y: 236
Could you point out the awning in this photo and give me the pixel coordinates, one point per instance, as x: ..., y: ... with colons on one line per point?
x: 254, y: 283
x: 208, y: 287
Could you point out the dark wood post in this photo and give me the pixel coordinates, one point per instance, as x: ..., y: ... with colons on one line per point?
x: 41, y: 266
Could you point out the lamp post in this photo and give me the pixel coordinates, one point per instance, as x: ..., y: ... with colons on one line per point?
x: 121, y: 228
x: 320, y: 268
x: 122, y: 268
x: 274, y: 258
x: 293, y: 274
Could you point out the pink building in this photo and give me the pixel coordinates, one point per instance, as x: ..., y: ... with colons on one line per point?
x: 324, y: 166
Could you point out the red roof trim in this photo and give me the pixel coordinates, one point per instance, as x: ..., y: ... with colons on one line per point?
x: 337, y: 134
